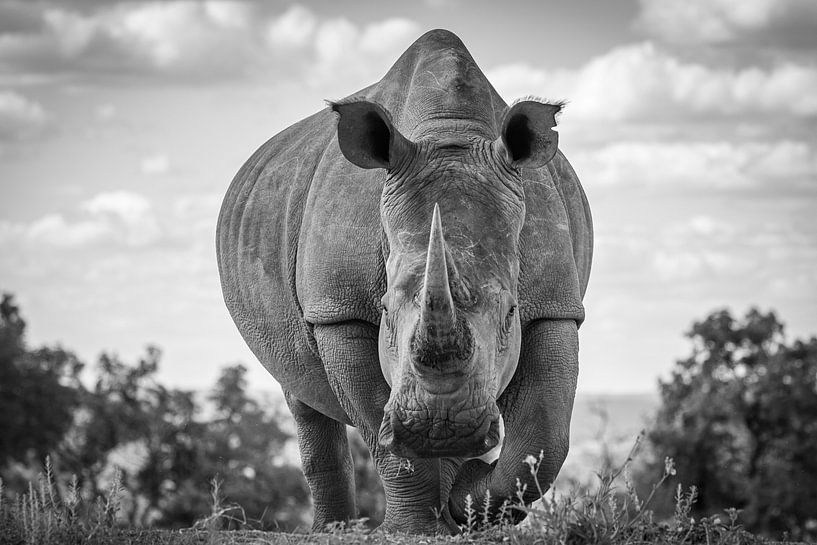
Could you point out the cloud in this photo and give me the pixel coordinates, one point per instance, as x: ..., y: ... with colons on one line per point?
x: 702, y: 226
x: 195, y: 218
x: 198, y: 40
x: 105, y: 112
x: 155, y: 165
x: 183, y: 38
x: 20, y: 117
x: 440, y: 4
x: 294, y: 29
x: 712, y: 164
x: 128, y: 217
x: 388, y: 36
x: 644, y: 82
x: 117, y: 217
x: 55, y: 230
x: 360, y: 53
x: 788, y: 23
x: 691, y: 264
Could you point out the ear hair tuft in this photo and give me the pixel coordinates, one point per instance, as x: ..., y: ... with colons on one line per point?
x: 334, y: 104
x: 559, y: 104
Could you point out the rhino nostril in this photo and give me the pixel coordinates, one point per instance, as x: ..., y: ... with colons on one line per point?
x: 442, y: 350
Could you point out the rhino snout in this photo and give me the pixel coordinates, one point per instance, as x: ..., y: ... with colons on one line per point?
x: 422, y: 433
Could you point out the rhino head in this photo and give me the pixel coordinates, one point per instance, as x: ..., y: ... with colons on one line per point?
x: 452, y: 209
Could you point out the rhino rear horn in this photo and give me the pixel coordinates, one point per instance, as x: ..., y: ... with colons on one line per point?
x: 366, y: 135
x: 437, y: 304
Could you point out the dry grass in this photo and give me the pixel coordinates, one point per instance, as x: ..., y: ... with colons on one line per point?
x: 613, y: 514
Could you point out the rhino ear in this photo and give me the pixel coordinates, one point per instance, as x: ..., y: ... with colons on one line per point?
x: 528, y: 138
x: 366, y: 135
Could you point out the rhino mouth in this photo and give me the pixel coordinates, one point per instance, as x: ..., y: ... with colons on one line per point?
x: 422, y: 432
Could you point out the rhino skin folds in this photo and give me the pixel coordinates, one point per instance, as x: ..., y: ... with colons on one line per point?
x: 411, y: 260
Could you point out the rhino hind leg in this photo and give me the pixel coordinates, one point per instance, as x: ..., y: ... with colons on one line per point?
x: 327, y: 464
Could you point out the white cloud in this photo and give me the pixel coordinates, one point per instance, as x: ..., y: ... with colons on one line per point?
x: 707, y: 226
x: 105, y: 112
x: 360, y: 54
x: 118, y: 217
x: 388, y: 36
x: 176, y: 38
x: 228, y: 13
x: 130, y: 207
x: 730, y: 21
x: 20, y: 117
x: 198, y: 205
x: 643, y: 81
x: 335, y: 39
x: 128, y: 216
x: 713, y: 164
x: 295, y: 28
x: 689, y: 264
x: 440, y: 4
x: 155, y: 165
x: 195, y: 217
x: 55, y: 230
x: 201, y: 40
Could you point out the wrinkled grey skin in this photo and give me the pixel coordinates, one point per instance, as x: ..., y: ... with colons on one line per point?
x: 412, y: 261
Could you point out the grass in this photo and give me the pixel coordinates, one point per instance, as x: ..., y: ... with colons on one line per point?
x: 613, y: 514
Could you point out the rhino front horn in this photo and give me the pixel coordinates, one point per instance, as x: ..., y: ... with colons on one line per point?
x: 437, y: 305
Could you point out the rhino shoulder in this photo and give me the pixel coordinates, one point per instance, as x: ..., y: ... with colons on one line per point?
x: 340, y: 269
x: 256, y: 237
x: 556, y: 243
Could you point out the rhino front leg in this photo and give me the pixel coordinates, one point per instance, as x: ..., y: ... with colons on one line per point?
x: 536, y: 407
x: 327, y: 464
x: 416, y: 490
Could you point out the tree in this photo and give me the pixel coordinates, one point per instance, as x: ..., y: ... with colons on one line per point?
x: 167, y: 452
x: 739, y: 417
x: 178, y: 453
x: 38, y: 391
x: 121, y: 409
x: 245, y: 440
x: 240, y: 446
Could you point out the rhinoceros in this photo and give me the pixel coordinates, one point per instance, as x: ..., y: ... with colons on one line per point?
x: 411, y: 260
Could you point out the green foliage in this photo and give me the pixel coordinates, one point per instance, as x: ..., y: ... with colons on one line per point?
x: 167, y: 451
x: 739, y: 416
x: 38, y: 391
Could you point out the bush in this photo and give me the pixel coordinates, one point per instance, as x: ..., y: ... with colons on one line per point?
x: 739, y: 416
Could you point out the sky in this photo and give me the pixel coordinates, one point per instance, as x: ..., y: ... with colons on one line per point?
x: 691, y: 124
